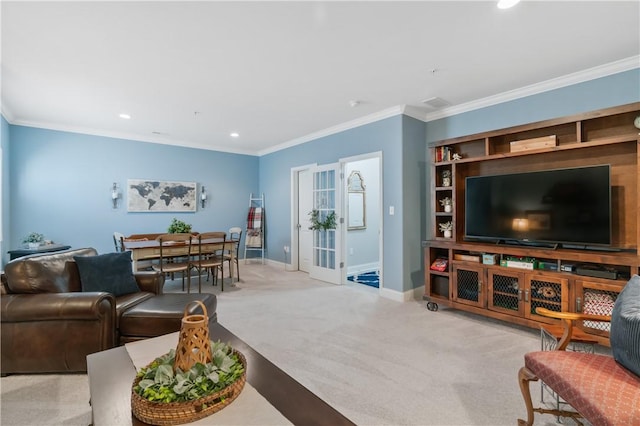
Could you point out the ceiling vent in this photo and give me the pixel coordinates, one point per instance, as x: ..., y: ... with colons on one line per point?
x: 436, y: 102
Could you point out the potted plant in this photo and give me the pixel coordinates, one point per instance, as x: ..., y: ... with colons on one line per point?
x: 162, y: 391
x: 446, y: 204
x: 33, y: 240
x: 446, y: 228
x: 179, y: 227
x: 446, y: 177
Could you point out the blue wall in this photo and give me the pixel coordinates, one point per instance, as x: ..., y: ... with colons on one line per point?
x: 61, y: 184
x: 414, y: 195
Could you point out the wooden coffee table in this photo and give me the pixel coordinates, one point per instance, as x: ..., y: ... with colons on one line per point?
x: 111, y: 375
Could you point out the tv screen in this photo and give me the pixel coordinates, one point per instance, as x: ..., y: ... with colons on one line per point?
x: 571, y: 206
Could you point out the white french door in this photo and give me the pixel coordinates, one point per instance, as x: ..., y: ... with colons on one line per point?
x: 327, y: 256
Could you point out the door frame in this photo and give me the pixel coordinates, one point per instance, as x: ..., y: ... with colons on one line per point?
x: 293, y: 230
x: 295, y: 216
x: 343, y: 162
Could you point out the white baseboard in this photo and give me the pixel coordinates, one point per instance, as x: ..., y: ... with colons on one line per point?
x: 403, y: 296
x: 362, y: 268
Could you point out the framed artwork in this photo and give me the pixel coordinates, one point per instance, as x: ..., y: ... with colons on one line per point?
x: 160, y: 196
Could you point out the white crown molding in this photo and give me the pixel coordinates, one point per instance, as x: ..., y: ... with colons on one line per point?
x: 127, y: 136
x: 7, y: 114
x: 413, y: 112
x: 544, y: 86
x: 371, y: 118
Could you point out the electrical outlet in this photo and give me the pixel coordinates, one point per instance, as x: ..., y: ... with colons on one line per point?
x: 286, y: 249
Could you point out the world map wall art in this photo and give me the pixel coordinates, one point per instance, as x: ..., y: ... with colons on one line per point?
x: 160, y: 196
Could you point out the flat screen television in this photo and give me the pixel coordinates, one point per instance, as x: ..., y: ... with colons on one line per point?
x: 563, y: 206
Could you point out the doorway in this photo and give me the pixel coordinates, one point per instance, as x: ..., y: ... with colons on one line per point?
x: 363, y: 216
x: 361, y: 248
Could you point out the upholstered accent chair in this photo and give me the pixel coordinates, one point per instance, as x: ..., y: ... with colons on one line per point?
x: 603, y: 390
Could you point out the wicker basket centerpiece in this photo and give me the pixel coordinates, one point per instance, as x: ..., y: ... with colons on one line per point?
x: 193, y: 381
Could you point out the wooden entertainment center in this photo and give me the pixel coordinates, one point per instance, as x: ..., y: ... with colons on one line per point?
x: 473, y: 279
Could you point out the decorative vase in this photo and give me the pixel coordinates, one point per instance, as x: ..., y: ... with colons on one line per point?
x: 446, y: 181
x: 447, y: 233
x: 447, y: 208
x: 34, y: 246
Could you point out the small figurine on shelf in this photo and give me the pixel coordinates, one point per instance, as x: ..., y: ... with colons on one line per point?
x: 446, y: 228
x: 446, y: 177
x: 446, y: 204
x: 456, y: 156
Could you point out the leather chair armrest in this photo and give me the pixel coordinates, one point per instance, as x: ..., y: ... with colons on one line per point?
x: 57, y: 306
x: 151, y: 281
x: 567, y: 319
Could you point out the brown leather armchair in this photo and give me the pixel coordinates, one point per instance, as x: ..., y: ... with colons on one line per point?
x: 48, y: 324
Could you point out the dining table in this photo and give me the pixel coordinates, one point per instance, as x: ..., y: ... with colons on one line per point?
x: 149, y: 249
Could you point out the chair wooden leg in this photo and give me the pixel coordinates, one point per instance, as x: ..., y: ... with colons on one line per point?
x: 524, y: 377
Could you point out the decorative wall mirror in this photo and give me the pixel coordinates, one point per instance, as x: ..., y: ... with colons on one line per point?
x: 356, y: 204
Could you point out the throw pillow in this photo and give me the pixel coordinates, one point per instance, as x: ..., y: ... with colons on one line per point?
x: 625, y: 326
x: 111, y: 272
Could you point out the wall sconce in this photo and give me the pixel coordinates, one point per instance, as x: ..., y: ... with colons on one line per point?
x: 115, y: 195
x: 203, y: 197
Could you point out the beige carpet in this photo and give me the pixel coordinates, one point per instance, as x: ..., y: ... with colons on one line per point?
x: 377, y: 361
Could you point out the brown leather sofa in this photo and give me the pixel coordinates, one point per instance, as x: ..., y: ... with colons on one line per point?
x: 48, y: 324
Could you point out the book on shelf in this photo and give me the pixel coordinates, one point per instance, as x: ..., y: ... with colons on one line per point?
x: 440, y: 265
x: 443, y: 153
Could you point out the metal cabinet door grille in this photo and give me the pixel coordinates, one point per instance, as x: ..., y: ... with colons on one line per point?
x: 468, y: 287
x: 545, y: 294
x: 506, y: 293
x: 597, y: 302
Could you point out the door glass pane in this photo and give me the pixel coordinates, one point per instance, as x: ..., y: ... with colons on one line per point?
x: 332, y: 259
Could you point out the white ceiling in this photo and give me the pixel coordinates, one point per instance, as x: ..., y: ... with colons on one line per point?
x: 280, y: 73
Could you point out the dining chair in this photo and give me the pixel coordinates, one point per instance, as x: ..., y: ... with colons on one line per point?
x: 208, y: 258
x: 168, y: 262
x: 235, y: 234
x: 117, y: 241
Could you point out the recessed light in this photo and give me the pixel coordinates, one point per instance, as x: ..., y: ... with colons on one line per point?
x: 234, y: 134
x: 506, y: 4
x: 124, y: 116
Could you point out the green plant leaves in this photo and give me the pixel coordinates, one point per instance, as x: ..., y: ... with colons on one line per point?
x: 178, y: 227
x: 160, y: 383
x: 164, y: 374
x: 329, y: 221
